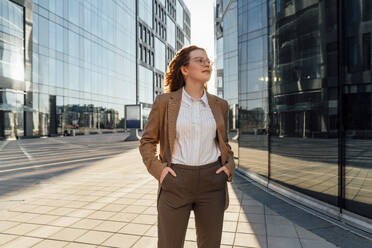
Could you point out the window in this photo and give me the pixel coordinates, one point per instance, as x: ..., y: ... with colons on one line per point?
x: 367, y: 51
x: 367, y: 10
x: 145, y: 54
x: 141, y: 52
x: 352, y: 53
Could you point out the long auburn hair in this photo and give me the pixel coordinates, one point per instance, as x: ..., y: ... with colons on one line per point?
x: 174, y: 79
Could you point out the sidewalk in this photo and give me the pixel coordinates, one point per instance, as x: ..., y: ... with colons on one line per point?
x: 112, y: 203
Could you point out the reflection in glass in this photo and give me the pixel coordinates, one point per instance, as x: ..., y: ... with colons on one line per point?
x: 145, y: 11
x: 145, y: 85
x: 304, y: 146
x: 179, y: 12
x: 292, y: 131
x: 171, y: 32
x: 358, y: 110
x: 79, y: 81
x: 253, y: 108
x: 11, y: 113
x: 12, y: 41
x: 160, y: 55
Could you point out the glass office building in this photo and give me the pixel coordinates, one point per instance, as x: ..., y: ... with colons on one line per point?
x: 304, y: 101
x: 72, y: 65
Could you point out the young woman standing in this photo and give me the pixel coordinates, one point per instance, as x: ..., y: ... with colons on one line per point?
x: 195, y: 159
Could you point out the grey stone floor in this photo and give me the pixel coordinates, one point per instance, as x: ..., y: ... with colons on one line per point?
x: 92, y: 199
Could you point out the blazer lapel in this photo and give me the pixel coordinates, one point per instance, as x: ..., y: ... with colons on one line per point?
x: 174, y: 105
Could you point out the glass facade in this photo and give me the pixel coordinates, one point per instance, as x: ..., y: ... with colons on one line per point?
x: 171, y: 32
x: 304, y: 110
x: 253, y: 97
x: 71, y: 66
x: 12, y: 73
x: 357, y: 107
x: 145, y: 84
x: 230, y: 53
x: 145, y: 11
x: 160, y: 58
x: 83, y: 56
x: 219, y: 48
x: 179, y: 12
x: 12, y: 40
x: 304, y: 97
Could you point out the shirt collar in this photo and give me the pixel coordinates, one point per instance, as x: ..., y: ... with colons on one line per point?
x: 186, y: 98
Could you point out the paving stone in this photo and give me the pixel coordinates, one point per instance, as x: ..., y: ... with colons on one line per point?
x: 136, y: 229
x: 79, y: 245
x: 43, y: 219
x: 44, y: 231
x: 101, y: 215
x: 252, y: 228
x: 5, y: 238
x: 121, y: 240
x: 115, y: 206
x: 282, y: 242
x: 86, y: 224
x: 145, y: 219
x: 65, y: 221
x: 23, y: 242
x: 110, y: 226
x: 250, y: 240
x: 21, y: 229
x: 282, y: 230
x: 146, y: 242
x: 4, y: 225
x: 50, y: 244
x: 311, y: 243
x: 94, y: 237
x: 68, y: 234
x: 227, y: 238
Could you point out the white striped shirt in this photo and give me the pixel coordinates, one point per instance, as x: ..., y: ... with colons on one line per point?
x: 195, y: 132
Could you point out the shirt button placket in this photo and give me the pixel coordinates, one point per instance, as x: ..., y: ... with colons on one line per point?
x: 198, y: 133
x: 194, y: 131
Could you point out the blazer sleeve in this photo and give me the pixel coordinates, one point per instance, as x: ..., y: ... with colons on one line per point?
x: 150, y: 139
x: 230, y: 163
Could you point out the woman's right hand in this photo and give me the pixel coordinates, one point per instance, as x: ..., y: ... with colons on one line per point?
x: 165, y: 171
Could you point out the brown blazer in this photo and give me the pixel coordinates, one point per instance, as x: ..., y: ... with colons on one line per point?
x: 161, y: 127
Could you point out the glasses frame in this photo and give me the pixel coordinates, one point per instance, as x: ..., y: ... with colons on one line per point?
x: 202, y: 62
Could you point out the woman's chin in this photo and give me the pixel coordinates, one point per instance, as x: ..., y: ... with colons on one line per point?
x: 205, y: 78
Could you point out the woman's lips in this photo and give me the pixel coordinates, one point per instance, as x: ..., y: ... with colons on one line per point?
x: 207, y: 71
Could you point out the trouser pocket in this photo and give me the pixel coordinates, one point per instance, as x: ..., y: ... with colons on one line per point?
x: 175, y: 189
x: 210, y: 181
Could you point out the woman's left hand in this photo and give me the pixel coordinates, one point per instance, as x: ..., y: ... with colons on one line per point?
x: 225, y: 170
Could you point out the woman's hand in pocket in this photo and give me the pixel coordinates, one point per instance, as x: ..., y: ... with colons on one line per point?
x: 165, y: 171
x: 225, y: 170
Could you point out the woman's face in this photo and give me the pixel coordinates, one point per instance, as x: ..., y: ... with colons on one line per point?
x: 199, y: 67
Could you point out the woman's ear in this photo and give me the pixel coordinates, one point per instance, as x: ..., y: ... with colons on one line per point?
x: 184, y: 70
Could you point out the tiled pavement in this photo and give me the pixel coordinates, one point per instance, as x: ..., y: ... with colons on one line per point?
x: 112, y: 203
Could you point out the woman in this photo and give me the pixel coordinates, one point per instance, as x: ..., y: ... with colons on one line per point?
x: 195, y: 159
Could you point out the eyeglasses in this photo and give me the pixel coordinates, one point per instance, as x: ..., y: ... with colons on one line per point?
x: 201, y: 61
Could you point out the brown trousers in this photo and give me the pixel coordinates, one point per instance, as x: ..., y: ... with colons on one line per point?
x: 196, y: 188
